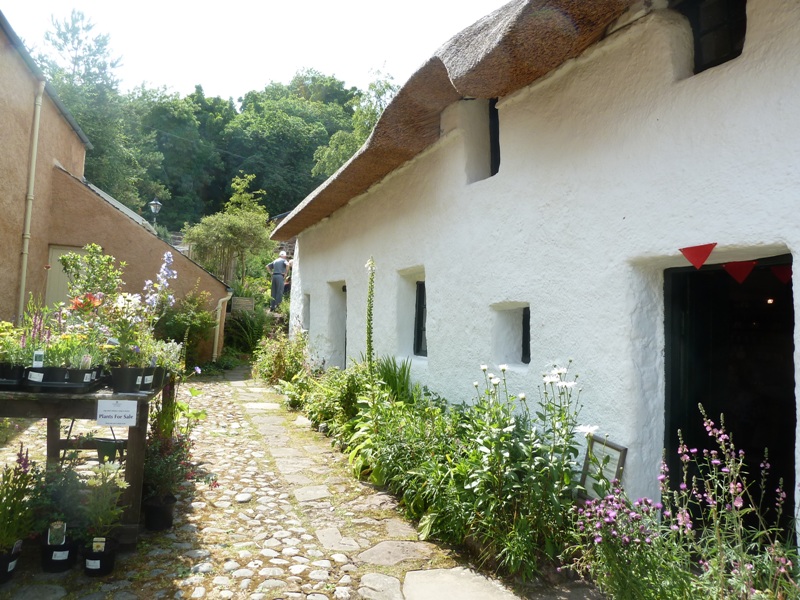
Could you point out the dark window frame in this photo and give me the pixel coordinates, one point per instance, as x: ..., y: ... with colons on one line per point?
x: 494, y: 138
x: 526, y: 336
x: 420, y: 321
x: 718, y: 28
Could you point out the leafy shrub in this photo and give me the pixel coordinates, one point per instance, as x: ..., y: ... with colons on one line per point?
x: 488, y: 474
x: 280, y: 358
x: 334, y: 399
x: 395, y: 376
x: 245, y: 329
x: 189, y: 321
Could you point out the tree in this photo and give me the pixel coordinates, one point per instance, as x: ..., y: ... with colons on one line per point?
x: 368, y: 108
x: 222, y: 242
x: 80, y: 67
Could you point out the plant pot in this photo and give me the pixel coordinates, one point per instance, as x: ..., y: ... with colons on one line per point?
x: 57, y: 558
x: 80, y: 376
x: 158, y: 378
x: 8, y: 563
x: 11, y: 376
x: 126, y: 380
x: 159, y: 513
x: 108, y: 449
x: 99, y: 564
x: 148, y: 375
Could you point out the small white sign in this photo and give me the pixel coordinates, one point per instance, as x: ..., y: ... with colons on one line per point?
x: 117, y: 412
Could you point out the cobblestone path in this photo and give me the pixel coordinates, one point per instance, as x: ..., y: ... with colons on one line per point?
x: 286, y: 521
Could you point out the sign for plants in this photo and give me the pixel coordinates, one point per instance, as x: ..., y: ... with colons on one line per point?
x: 120, y: 413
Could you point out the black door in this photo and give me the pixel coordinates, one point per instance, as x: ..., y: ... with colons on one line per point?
x: 730, y: 347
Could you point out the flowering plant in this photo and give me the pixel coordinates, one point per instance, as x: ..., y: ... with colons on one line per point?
x: 126, y: 321
x: 16, y: 517
x: 709, y: 538
x: 157, y: 296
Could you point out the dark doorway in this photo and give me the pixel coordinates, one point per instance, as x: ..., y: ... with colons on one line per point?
x: 730, y: 347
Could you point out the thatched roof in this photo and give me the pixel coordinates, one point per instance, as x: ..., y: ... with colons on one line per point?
x: 503, y: 52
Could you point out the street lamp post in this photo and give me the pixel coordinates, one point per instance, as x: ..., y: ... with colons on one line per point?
x: 155, y: 207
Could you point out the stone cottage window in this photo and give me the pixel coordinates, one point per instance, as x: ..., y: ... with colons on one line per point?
x: 511, y: 333
x: 718, y: 27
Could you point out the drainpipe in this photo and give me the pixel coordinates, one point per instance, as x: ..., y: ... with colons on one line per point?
x: 220, y: 319
x: 26, y: 232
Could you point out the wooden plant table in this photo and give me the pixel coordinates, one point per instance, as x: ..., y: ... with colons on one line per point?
x: 56, y: 406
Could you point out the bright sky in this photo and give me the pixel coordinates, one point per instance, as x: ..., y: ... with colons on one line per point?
x: 232, y: 48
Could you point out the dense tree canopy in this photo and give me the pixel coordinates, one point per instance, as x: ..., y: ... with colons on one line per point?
x: 187, y: 151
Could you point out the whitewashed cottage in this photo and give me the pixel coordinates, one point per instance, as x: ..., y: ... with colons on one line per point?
x: 536, y: 192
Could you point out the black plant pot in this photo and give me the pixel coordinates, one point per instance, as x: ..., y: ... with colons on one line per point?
x: 159, y: 513
x: 99, y: 564
x: 8, y: 563
x: 11, y: 376
x: 126, y: 380
x: 147, y: 379
x: 57, y: 558
x: 109, y: 449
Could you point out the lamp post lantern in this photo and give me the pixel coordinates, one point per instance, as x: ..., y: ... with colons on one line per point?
x: 155, y: 207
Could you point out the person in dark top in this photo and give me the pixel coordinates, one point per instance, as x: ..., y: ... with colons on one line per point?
x: 279, y: 269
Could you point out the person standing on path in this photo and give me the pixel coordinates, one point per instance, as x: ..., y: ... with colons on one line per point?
x: 279, y: 269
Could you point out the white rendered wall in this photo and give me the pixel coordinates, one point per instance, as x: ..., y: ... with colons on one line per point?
x: 608, y: 167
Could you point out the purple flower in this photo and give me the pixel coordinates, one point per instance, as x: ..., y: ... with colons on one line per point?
x: 197, y: 370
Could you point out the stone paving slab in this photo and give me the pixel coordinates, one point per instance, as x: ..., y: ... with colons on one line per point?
x: 452, y: 583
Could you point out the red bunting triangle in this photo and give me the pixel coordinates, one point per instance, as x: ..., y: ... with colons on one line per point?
x: 739, y: 270
x: 698, y: 255
x: 782, y: 272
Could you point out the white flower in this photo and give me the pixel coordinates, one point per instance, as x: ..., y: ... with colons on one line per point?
x: 551, y: 379
x: 566, y: 384
x: 483, y: 368
x: 495, y: 382
x: 504, y: 368
x: 521, y: 396
x: 558, y: 371
x: 475, y: 383
x: 491, y: 375
x: 586, y: 429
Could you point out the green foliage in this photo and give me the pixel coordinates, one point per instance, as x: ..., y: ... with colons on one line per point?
x: 279, y: 358
x: 16, y: 517
x: 367, y: 108
x: 80, y: 67
x: 56, y: 490
x: 709, y: 538
x: 227, y: 239
x: 332, y: 402
x: 185, y: 150
x: 245, y: 329
x: 167, y: 464
x: 92, y: 272
x: 102, y: 510
x: 188, y: 320
x: 490, y: 474
x: 396, y: 377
